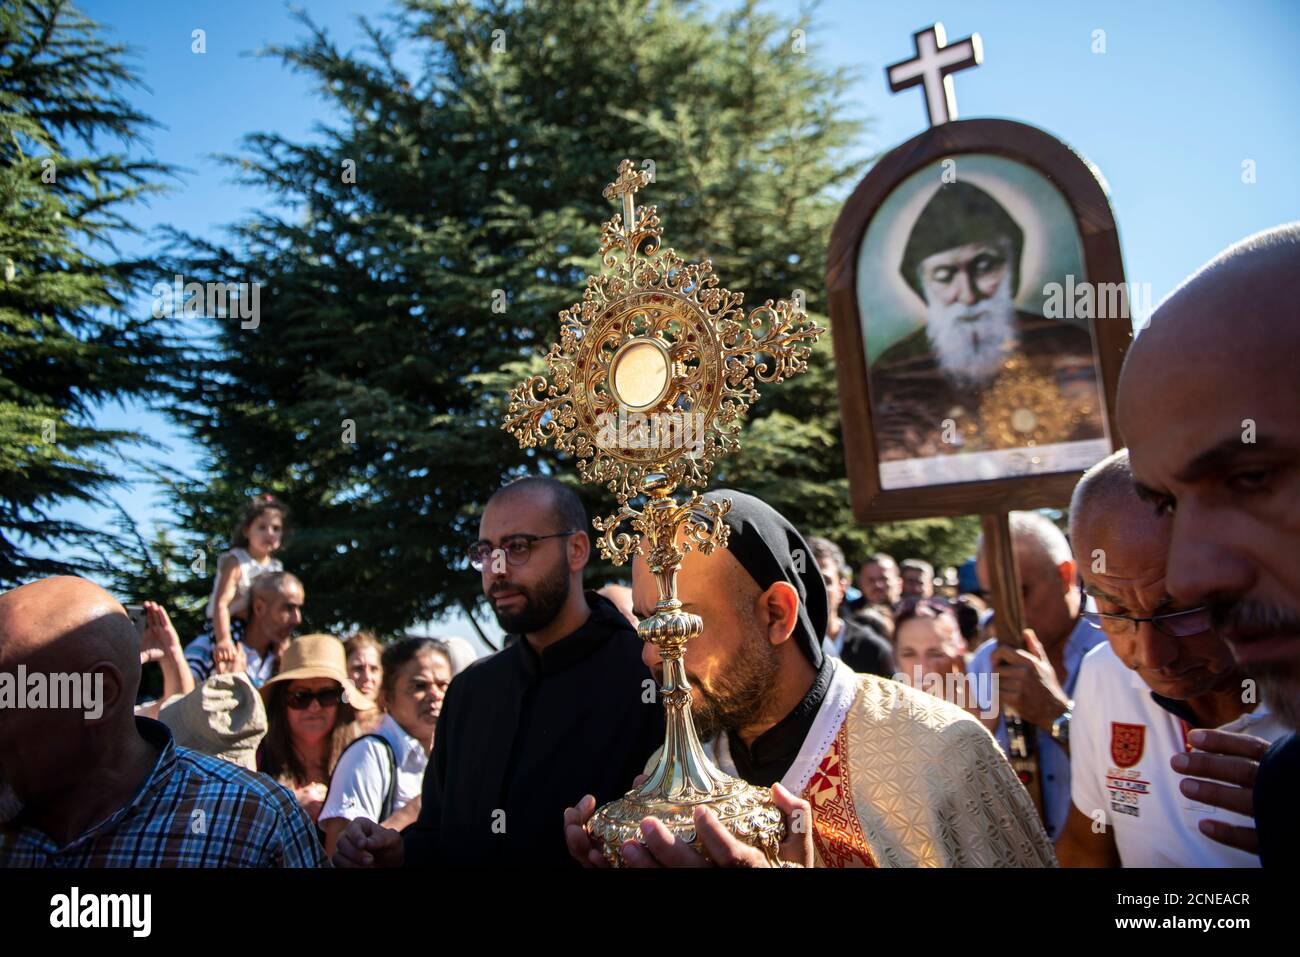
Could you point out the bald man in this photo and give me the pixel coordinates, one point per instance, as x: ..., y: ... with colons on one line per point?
x: 1214, y: 440
x: 1162, y: 672
x: 108, y: 789
x: 274, y: 613
x: 1038, y: 680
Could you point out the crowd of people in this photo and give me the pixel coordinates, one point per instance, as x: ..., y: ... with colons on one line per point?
x: 1159, y: 672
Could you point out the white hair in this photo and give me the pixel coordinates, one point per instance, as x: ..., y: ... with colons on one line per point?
x: 972, y: 342
x: 1041, y: 531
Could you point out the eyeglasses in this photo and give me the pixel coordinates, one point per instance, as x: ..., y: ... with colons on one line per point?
x: 1174, y: 624
x: 326, y: 698
x: 517, y: 549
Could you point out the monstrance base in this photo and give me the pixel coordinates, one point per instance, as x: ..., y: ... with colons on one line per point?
x: 746, y: 811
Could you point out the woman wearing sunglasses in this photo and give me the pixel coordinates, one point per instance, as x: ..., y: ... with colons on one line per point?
x: 311, y: 708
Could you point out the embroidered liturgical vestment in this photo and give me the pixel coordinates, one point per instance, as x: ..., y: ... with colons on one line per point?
x: 899, y: 778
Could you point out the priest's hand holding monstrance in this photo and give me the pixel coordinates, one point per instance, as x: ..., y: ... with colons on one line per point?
x: 649, y: 383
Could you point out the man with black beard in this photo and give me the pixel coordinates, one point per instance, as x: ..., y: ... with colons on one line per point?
x: 566, y: 708
x: 962, y: 260
x: 894, y: 777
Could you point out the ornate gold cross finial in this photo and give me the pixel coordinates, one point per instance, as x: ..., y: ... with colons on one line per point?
x: 651, y: 380
x: 625, y: 188
x: 630, y: 179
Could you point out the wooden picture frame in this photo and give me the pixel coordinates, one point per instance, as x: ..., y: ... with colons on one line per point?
x: 1086, y: 198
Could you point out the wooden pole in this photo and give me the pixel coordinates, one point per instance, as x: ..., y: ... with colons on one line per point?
x: 1004, y: 578
x: 1004, y: 585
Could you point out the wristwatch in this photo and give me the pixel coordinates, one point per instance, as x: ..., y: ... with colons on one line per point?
x: 1061, y: 729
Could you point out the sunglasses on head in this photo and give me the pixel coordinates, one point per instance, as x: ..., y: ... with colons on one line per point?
x: 326, y: 698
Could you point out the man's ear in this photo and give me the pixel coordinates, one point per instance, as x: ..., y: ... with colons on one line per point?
x: 107, y: 689
x: 781, y: 604
x: 1068, y: 572
x: 579, y: 550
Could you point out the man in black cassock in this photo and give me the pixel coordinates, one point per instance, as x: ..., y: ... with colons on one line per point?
x: 561, y: 711
x: 963, y: 260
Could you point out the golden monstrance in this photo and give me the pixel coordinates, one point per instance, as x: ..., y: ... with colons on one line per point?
x: 649, y: 383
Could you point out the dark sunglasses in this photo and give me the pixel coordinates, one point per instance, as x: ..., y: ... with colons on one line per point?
x: 326, y: 698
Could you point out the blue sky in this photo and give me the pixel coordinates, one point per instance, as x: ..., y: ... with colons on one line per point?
x: 1183, y: 94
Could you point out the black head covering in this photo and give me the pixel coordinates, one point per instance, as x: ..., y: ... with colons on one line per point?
x: 771, y: 550
x: 958, y: 214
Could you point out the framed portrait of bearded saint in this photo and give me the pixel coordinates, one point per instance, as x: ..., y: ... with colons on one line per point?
x: 980, y: 317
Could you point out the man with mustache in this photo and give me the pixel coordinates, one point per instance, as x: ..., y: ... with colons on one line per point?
x: 566, y: 708
x: 893, y: 776
x: 274, y: 614
x: 1214, y: 440
x: 1163, y: 673
x: 963, y: 260
x: 880, y: 587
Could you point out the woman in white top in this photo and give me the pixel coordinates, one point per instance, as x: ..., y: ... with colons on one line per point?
x: 258, y: 536
x: 380, y: 776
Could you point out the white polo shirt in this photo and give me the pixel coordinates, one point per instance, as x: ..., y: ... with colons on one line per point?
x: 1121, y: 741
x: 360, y: 779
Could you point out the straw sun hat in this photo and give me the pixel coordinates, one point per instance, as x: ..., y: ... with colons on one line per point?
x: 318, y: 656
x: 223, y: 717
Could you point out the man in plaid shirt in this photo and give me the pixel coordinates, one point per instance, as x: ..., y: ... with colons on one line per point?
x: 94, y: 786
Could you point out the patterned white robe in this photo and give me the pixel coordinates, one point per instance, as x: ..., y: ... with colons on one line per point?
x: 899, y: 778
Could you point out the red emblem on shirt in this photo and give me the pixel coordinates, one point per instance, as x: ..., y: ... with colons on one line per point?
x: 1127, y: 742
